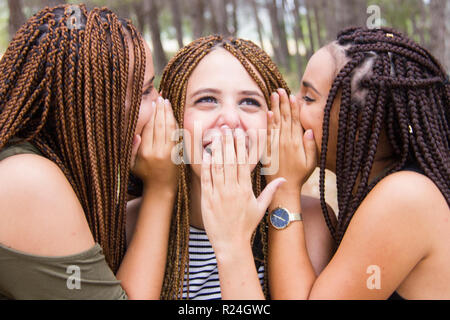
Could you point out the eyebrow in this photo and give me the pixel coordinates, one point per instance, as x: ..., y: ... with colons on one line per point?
x: 309, y: 85
x: 251, y: 93
x: 216, y: 91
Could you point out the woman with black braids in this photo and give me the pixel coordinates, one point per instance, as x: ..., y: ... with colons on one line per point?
x: 78, y: 111
x: 375, y: 107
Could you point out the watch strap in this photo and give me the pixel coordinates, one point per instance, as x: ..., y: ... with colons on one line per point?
x: 295, y: 217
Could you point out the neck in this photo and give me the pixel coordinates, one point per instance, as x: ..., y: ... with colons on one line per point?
x: 195, y: 212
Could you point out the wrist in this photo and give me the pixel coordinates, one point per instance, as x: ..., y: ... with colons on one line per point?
x: 232, y: 252
x: 167, y: 190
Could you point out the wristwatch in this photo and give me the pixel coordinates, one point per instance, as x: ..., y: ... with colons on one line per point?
x: 280, y: 218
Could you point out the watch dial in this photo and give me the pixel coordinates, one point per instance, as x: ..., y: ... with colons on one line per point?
x: 279, y: 218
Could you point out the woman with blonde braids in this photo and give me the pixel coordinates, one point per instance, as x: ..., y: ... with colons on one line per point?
x: 220, y: 90
x: 78, y: 111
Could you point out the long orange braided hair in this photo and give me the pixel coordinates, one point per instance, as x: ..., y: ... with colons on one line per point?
x: 173, y: 87
x: 63, y: 83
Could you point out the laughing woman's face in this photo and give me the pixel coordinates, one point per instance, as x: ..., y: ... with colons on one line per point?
x: 222, y: 96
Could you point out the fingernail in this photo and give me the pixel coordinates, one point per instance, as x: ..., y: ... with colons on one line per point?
x: 309, y: 134
x: 160, y: 99
x: 153, y: 104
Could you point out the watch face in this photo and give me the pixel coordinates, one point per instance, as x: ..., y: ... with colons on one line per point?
x: 279, y: 218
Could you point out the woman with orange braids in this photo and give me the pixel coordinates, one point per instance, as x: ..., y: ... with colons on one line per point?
x: 78, y: 111
x: 220, y: 91
x: 375, y: 107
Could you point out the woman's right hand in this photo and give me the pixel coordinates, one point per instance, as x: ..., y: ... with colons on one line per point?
x: 294, y: 149
x: 151, y: 153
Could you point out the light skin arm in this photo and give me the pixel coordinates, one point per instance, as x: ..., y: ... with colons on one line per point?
x: 379, y: 236
x: 285, y: 118
x: 230, y: 214
x: 142, y: 269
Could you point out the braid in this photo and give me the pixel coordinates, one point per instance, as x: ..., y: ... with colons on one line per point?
x: 173, y: 86
x: 405, y: 95
x: 63, y: 89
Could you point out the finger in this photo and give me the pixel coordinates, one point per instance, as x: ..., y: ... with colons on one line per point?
x: 217, y: 162
x: 295, y: 112
x: 266, y: 195
x: 275, y: 102
x: 285, y: 109
x: 310, y: 148
x: 206, y: 179
x: 230, y: 168
x: 270, y: 125
x: 243, y: 166
x: 171, y: 123
x: 159, y: 133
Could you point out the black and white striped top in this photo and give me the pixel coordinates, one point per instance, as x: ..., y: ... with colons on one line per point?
x: 203, y: 273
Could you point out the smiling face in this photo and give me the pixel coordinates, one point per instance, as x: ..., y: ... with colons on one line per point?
x: 221, y: 96
x: 315, y: 86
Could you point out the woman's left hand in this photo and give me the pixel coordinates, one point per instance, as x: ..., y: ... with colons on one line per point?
x: 230, y: 210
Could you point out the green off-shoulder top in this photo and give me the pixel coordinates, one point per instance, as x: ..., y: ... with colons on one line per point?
x: 81, y: 276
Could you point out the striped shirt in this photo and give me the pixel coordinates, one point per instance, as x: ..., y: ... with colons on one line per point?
x: 203, y: 273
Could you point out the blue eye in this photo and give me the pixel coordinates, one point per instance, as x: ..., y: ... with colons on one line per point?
x: 206, y: 100
x: 250, y: 102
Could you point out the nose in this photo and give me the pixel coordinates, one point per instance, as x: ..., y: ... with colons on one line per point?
x: 229, y: 117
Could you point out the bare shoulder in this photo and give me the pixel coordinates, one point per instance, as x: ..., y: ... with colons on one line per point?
x: 407, y: 193
x: 40, y: 213
x: 405, y: 208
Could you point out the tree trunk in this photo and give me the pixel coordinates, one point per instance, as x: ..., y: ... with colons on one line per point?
x: 350, y: 13
x: 219, y: 16
x: 16, y: 16
x: 259, y: 26
x: 437, y: 29
x: 177, y: 22
x: 299, y: 37
x: 140, y: 11
x: 329, y: 14
x: 52, y: 3
x: 279, y: 43
x: 317, y: 20
x: 310, y: 31
x: 198, y: 17
x: 234, y: 18
x: 158, y: 51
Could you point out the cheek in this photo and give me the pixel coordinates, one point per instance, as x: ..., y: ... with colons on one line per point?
x: 145, y: 113
x: 195, y: 123
x: 311, y: 117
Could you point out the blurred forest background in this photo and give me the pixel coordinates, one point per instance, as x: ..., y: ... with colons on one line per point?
x: 289, y: 30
